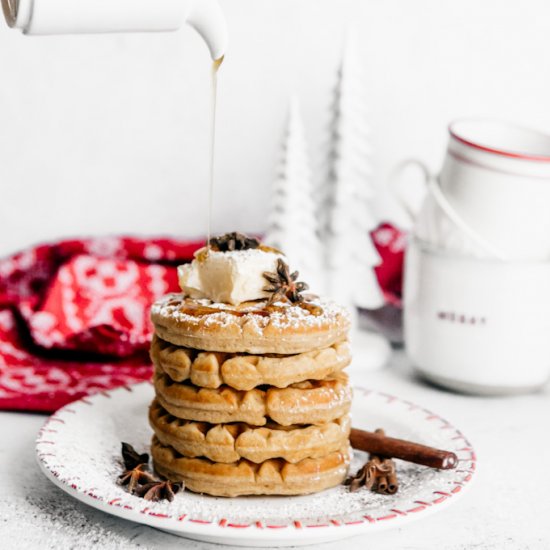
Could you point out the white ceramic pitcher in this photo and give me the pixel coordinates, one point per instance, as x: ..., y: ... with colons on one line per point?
x: 477, y: 325
x: 477, y: 270
x: 104, y: 16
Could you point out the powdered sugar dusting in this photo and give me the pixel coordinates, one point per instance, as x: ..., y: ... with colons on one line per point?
x: 285, y: 316
x: 247, y: 254
x: 80, y: 446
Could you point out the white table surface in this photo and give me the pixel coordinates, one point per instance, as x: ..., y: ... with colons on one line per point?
x: 508, y: 505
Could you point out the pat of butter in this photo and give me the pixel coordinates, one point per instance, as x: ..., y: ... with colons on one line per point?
x: 229, y: 277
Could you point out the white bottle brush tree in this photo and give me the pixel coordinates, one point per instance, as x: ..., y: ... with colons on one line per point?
x: 348, y: 218
x: 350, y: 253
x: 292, y: 224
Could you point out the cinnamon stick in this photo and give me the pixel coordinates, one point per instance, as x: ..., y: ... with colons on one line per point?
x: 389, y: 447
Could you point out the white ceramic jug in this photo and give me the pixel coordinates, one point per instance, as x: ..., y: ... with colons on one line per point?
x: 477, y: 325
x: 477, y: 268
x: 104, y: 16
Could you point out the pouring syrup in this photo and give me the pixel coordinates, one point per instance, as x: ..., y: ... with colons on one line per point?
x: 214, y: 85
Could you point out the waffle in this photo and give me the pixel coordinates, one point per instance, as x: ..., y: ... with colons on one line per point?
x: 251, y: 327
x: 309, y: 402
x: 245, y: 372
x: 231, y: 442
x: 272, y: 477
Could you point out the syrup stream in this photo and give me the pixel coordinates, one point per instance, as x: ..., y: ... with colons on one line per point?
x: 214, y: 83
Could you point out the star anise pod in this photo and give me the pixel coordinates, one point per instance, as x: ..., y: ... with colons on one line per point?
x: 357, y: 481
x: 283, y: 284
x: 132, y: 458
x: 233, y: 241
x: 136, y: 478
x: 160, y: 490
x: 378, y: 475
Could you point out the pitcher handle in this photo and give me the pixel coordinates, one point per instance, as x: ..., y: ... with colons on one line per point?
x: 433, y: 186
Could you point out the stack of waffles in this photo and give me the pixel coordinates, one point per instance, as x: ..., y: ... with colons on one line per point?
x: 250, y: 398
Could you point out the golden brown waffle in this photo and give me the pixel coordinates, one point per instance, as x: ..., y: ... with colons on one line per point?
x: 230, y: 442
x: 309, y: 402
x: 244, y: 372
x: 272, y: 477
x: 251, y: 327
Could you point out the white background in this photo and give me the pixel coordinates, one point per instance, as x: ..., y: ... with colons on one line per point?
x: 109, y: 134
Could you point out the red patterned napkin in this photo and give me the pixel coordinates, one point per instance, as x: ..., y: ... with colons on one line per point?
x: 74, y: 316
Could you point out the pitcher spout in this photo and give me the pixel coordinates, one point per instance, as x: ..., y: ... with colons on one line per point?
x: 207, y: 18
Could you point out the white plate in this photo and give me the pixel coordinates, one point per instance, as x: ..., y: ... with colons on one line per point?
x: 79, y: 450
